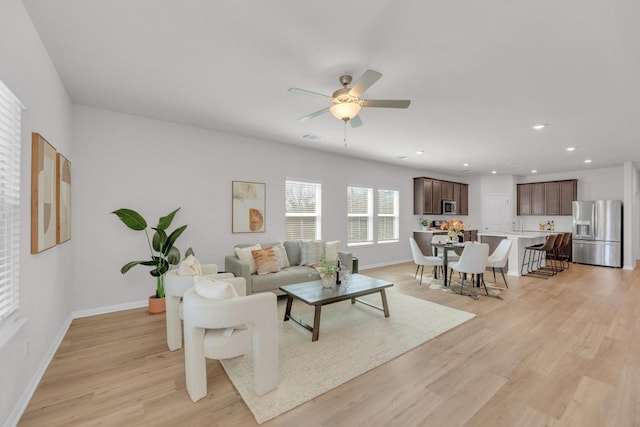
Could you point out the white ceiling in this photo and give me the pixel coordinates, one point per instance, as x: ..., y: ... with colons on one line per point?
x: 478, y: 73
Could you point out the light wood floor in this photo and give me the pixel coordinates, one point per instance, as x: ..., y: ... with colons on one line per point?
x: 562, y: 351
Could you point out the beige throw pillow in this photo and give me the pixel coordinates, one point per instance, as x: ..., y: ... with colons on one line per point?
x: 190, y: 266
x: 311, y: 252
x: 331, y: 250
x: 266, y: 261
x: 244, y: 255
x: 281, y: 255
x: 208, y: 287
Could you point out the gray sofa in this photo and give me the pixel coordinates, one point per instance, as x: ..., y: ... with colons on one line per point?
x: 295, y: 273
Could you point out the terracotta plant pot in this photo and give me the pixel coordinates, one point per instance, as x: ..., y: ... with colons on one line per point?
x: 156, y: 305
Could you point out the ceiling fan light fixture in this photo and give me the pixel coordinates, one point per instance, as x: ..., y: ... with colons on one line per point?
x: 345, y: 110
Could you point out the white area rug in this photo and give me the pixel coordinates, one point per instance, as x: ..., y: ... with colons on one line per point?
x: 353, y: 340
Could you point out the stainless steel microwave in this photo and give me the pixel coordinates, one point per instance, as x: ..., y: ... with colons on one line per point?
x: 449, y: 207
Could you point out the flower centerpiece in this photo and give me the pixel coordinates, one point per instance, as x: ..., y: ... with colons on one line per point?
x: 328, y: 271
x: 455, y: 228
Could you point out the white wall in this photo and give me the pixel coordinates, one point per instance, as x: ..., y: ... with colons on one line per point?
x: 154, y: 167
x: 26, y: 69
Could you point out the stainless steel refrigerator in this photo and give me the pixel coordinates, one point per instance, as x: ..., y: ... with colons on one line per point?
x: 597, y: 232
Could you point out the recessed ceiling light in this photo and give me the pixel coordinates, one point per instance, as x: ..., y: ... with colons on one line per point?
x: 534, y: 171
x: 420, y: 152
x: 588, y: 161
x: 402, y: 158
x: 494, y: 171
x: 570, y: 148
x: 539, y: 126
x: 465, y: 165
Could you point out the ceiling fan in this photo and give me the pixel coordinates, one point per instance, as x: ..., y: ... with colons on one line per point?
x: 347, y: 101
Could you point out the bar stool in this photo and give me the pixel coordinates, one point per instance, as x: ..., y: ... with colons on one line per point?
x: 565, y: 250
x: 533, y: 257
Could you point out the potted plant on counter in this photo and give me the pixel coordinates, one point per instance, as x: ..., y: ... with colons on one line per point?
x: 163, y: 253
x: 425, y: 223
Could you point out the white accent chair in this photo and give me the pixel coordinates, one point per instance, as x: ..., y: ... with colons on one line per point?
x: 421, y: 260
x: 175, y: 286
x: 472, y: 261
x: 499, y: 258
x: 205, y: 322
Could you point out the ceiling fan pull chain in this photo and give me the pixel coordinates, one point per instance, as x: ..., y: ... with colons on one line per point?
x: 345, y: 134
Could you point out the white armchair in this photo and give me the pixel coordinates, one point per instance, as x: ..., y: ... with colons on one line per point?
x: 175, y: 286
x: 206, y: 325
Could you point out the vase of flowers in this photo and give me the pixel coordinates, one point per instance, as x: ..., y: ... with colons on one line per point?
x: 454, y: 227
x: 328, y: 271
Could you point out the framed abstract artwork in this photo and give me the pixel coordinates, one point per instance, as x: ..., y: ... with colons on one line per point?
x: 63, y: 199
x: 43, y: 194
x: 248, y: 207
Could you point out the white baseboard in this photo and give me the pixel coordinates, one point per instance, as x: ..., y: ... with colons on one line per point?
x: 108, y: 309
x: 384, y: 264
x: 27, y: 394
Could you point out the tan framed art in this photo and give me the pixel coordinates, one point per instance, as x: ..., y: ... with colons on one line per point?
x: 63, y: 199
x: 43, y: 194
x: 248, y: 207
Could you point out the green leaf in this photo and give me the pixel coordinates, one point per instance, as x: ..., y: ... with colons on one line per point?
x: 128, y: 266
x: 165, y: 221
x: 131, y: 219
x: 173, y: 257
x: 172, y: 239
x: 189, y: 252
x: 159, y: 241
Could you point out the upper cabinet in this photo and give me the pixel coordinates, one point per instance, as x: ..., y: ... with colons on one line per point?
x: 428, y: 194
x: 547, y: 198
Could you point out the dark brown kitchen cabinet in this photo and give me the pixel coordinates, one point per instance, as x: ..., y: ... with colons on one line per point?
x: 547, y: 198
x: 537, y: 199
x: 428, y: 194
x: 568, y: 194
x: 552, y: 198
x: 436, y: 196
x: 463, y: 206
x: 447, y: 190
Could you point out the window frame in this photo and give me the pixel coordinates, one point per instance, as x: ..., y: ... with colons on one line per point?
x: 369, y: 215
x: 395, y: 215
x: 318, y: 202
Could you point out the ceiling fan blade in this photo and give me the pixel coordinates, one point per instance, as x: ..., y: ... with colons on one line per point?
x: 312, y: 115
x: 368, y: 78
x: 309, y: 93
x: 386, y: 103
x: 356, y: 121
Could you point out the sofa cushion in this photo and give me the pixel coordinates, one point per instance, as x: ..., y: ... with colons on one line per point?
x: 311, y: 252
x: 266, y: 261
x: 190, y: 266
x: 286, y: 276
x: 244, y: 255
x: 208, y: 287
x: 293, y: 251
x: 281, y: 255
x: 331, y: 250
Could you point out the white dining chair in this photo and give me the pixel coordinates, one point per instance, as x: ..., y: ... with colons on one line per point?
x: 442, y: 238
x: 499, y: 258
x: 421, y: 260
x: 472, y: 261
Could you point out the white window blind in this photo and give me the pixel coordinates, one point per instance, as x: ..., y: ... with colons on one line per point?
x: 303, y: 210
x: 359, y: 215
x: 10, y: 110
x: 388, y: 215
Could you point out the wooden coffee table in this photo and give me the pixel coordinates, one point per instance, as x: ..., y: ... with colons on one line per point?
x: 312, y: 293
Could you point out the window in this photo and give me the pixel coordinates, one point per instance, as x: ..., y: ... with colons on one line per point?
x: 303, y: 209
x: 388, y: 215
x: 10, y: 109
x: 360, y: 215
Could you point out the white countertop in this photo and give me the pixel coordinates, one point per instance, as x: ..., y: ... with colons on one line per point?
x: 515, y: 235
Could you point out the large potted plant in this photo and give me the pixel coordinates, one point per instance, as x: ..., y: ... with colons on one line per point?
x: 161, y: 248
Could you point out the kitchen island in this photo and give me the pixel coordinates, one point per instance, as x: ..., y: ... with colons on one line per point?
x: 519, y: 241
